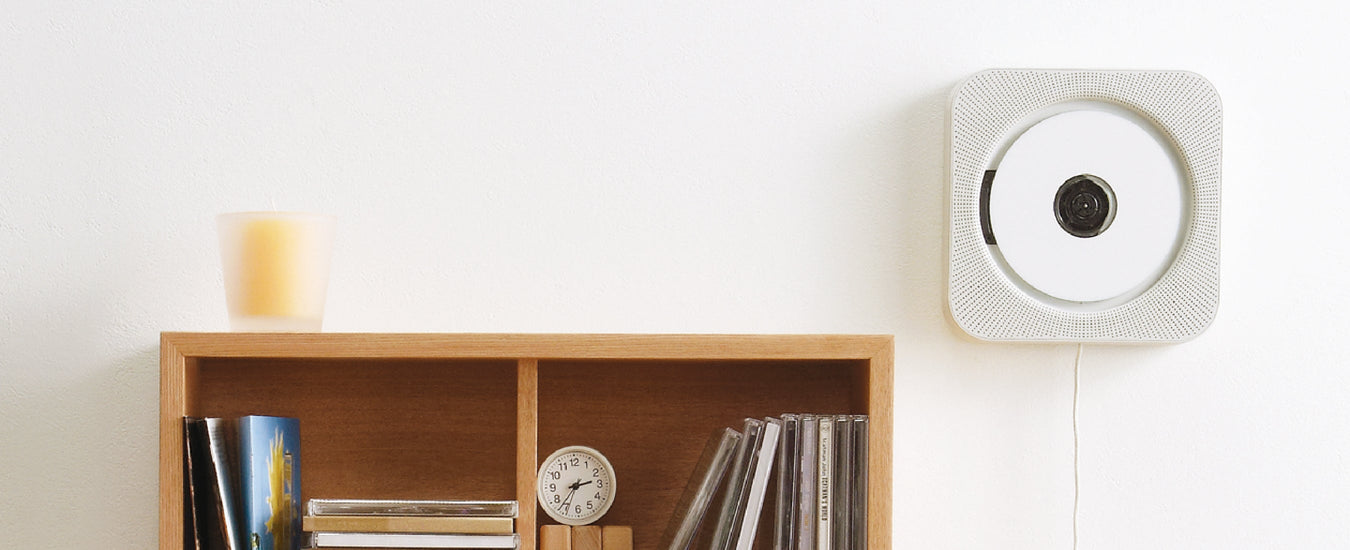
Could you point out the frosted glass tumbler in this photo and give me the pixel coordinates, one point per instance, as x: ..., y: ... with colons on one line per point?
x: 276, y: 269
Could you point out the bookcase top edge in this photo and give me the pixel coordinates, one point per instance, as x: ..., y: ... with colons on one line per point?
x: 528, y: 345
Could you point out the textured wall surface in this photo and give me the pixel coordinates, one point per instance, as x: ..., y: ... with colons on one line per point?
x: 627, y: 167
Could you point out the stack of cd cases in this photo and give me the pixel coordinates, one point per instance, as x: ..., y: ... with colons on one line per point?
x: 376, y: 524
x: 810, y: 470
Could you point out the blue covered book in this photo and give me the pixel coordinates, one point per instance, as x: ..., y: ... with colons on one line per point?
x: 269, y: 458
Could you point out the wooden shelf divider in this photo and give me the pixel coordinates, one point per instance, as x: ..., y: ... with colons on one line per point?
x: 527, y: 449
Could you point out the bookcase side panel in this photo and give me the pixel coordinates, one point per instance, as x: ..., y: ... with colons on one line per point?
x: 881, y: 391
x: 173, y: 387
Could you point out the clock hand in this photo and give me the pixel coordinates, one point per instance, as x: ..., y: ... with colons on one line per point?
x: 574, y: 487
x: 568, y: 499
x: 572, y: 490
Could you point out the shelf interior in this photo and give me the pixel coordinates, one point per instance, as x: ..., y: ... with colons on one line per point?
x: 653, y: 418
x: 392, y: 428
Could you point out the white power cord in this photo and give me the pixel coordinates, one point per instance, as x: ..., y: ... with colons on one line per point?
x: 1077, y: 363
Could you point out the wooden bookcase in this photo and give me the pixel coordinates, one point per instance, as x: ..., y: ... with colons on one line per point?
x: 445, y: 416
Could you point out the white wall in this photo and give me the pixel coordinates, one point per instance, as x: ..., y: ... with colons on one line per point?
x: 595, y: 167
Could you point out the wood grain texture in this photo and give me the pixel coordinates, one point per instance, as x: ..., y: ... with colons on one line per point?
x: 527, y: 450
x: 881, y: 397
x: 554, y: 537
x: 536, y: 346
x: 586, y: 537
x: 171, y: 411
x: 466, y: 415
x: 393, y: 429
x: 617, y: 537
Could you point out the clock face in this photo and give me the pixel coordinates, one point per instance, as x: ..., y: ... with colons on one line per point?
x: 576, y: 485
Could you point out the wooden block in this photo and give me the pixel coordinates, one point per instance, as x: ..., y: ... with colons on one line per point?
x: 555, y: 537
x: 586, y: 537
x: 617, y: 537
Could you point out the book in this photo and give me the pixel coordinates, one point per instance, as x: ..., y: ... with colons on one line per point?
x: 430, y: 508
x: 195, y: 484
x: 223, y: 446
x: 409, y: 524
x: 214, y: 510
x: 413, y: 540
x: 759, y: 484
x: 693, y: 505
x: 269, y: 468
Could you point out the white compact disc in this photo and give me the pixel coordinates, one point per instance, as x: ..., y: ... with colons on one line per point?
x: 1139, y: 170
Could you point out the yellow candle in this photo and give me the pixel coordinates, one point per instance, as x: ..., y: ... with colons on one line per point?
x: 276, y: 269
x: 271, y: 251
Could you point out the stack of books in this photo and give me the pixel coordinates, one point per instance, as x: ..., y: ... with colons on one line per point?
x: 357, y: 523
x: 819, y: 497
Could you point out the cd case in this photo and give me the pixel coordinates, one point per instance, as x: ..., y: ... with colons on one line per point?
x: 789, y: 456
x: 414, y: 540
x: 822, y: 493
x: 430, y: 508
x: 758, y: 484
x: 737, y: 493
x: 803, y: 476
x: 698, y: 494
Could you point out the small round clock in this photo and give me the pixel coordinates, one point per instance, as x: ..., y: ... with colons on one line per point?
x: 576, y: 485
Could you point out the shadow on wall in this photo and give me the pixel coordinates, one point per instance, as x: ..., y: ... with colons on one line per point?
x: 921, y: 238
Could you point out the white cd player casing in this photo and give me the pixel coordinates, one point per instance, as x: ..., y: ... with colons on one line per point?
x: 991, y: 300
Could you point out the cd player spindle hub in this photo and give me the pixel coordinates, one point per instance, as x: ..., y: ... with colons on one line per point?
x: 1085, y: 206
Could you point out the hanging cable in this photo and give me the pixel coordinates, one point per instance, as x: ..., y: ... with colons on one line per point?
x: 1077, y: 364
